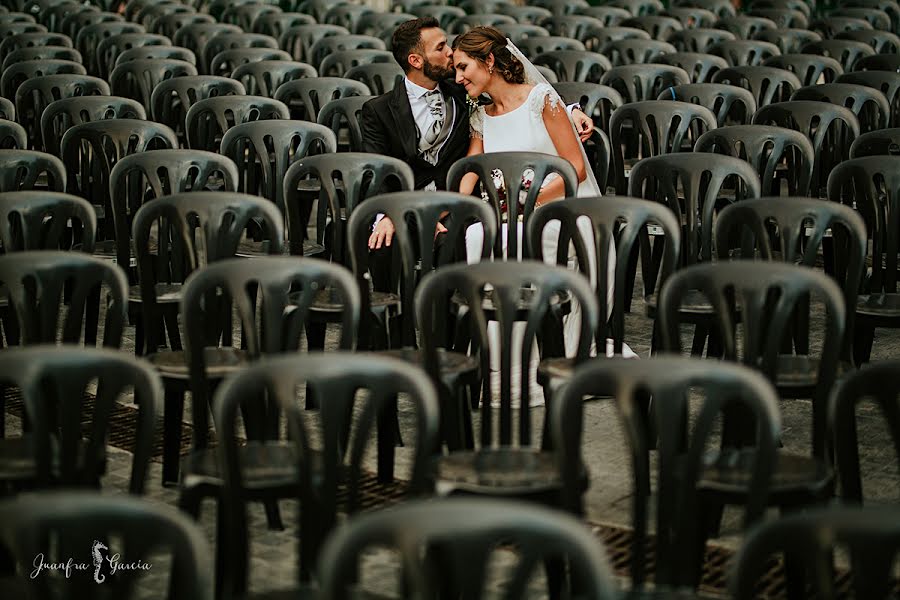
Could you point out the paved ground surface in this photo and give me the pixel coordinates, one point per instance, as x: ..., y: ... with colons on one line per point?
x: 273, y: 556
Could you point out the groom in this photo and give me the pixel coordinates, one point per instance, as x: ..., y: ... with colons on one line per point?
x: 424, y: 120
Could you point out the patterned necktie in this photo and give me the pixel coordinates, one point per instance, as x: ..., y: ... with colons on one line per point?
x: 435, y: 102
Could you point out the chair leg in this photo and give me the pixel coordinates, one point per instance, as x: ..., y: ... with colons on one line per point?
x: 273, y: 515
x: 863, y: 340
x: 388, y: 432
x: 315, y: 340
x: 173, y: 414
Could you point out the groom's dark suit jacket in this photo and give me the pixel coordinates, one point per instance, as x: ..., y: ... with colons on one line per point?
x: 388, y: 128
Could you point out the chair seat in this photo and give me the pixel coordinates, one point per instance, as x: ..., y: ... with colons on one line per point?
x: 661, y: 594
x: 107, y: 250
x: 802, y: 371
x: 17, y: 459
x: 263, y: 465
x: 455, y: 363
x: 879, y: 305
x: 329, y: 301
x: 310, y: 248
x: 166, y: 293
x: 219, y: 362
x: 695, y: 304
x: 561, y: 302
x: 498, y: 471
x: 794, y: 475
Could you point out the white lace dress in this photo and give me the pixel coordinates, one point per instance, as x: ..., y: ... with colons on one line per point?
x: 523, y: 129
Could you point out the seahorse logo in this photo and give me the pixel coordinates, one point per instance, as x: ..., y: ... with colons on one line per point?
x: 98, y: 560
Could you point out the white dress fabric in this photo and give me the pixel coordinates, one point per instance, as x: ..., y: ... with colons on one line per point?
x: 522, y: 129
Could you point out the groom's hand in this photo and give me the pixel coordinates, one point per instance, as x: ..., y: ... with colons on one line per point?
x: 583, y: 124
x: 382, y: 234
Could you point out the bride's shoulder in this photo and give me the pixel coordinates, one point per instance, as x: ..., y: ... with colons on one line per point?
x: 476, y: 122
x: 541, y: 96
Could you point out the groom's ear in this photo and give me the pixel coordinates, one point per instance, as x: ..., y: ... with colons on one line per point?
x: 416, y: 61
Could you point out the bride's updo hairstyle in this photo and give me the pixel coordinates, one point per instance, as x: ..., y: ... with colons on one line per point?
x: 481, y: 42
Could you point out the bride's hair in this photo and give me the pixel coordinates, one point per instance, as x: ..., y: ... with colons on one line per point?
x: 481, y: 42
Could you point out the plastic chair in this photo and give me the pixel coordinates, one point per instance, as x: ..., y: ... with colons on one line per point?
x: 54, y: 382
x: 136, y: 79
x: 692, y: 17
x: 611, y: 16
x: 633, y: 51
x: 643, y: 82
x: 276, y: 23
x: 518, y: 32
x: 227, y: 40
x: 39, y: 282
x: 465, y: 532
x: 41, y: 53
x: 373, y: 23
x: 767, y: 84
x: 829, y: 127
x: 14, y: 75
x: 22, y: 170
x: 244, y: 15
x: 597, y: 101
x: 306, y: 97
x: 745, y: 27
x: 878, y: 62
x: 744, y: 52
x: 700, y: 67
x: 782, y: 17
x: 338, y: 63
x: 526, y: 15
x: 263, y: 77
x: 810, y: 69
x: 535, y: 46
x: 33, y: 40
x: 172, y: 99
x: 168, y: 25
x: 299, y: 39
x: 732, y: 105
x: 789, y: 41
x: 347, y: 16
x: 888, y: 6
x: 335, y: 378
x: 639, y: 8
x: 875, y: 382
x: 577, y: 27
x: 220, y: 219
x: 75, y: 519
x: 699, y: 39
x: 720, y: 8
x: 331, y: 44
x: 868, y: 104
x: 652, y: 128
x: 883, y: 142
x: 12, y: 136
x: 226, y: 62
x: 575, y: 65
x: 149, y: 13
x: 208, y: 120
x: 138, y: 178
x: 513, y: 167
x: 601, y: 37
x: 157, y: 53
x: 869, y: 537
x: 379, y: 77
x: 881, y: 41
x: 878, y: 19
x: 682, y: 491
x: 342, y: 116
x: 868, y: 184
x: 659, y: 27
x: 463, y: 24
x: 88, y: 40
x: 109, y: 49
x: 196, y: 36
x: 765, y: 148
x: 35, y: 95
x: 46, y: 221
x: 846, y: 52
x: 887, y: 83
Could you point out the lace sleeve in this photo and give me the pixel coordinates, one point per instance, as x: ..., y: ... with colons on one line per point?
x: 543, y: 95
x: 476, y: 123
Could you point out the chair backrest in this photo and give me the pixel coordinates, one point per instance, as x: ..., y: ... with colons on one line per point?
x: 42, y: 220
x: 298, y: 40
x: 597, y: 101
x: 660, y: 27
x: 830, y: 128
x: 468, y: 533
x: 878, y: 19
x: 617, y: 224
x: 264, y: 76
x: 168, y: 25
x: 881, y: 41
x: 196, y: 36
x: 22, y: 170
x: 699, y: 39
x: 878, y: 62
x: 33, y: 40
x: 603, y: 36
x: 78, y: 519
x: 88, y: 39
x: 644, y: 82
x: 788, y: 40
x: 767, y: 84
x: 275, y: 23
x: 869, y: 538
x: 691, y: 186
x: 230, y: 41
x: 782, y: 17
x: 635, y: 51
x: 111, y: 48
x: 336, y: 379
x: 700, y: 67
x: 335, y: 43
x: 887, y: 83
x: 60, y: 115
x: 575, y: 65
x: 54, y: 382
x: 883, y: 142
x: 691, y: 17
x: 655, y: 127
x: 732, y: 105
x: 172, y: 99
x: 846, y: 52
x: 872, y: 186
x: 306, y: 97
x: 338, y: 63
x: 668, y: 382
x: 810, y: 69
x: 38, y: 283
x: 264, y: 150
x: 766, y: 147
x: 202, y: 227
x: 875, y: 382
x: 12, y: 136
x: 769, y: 295
x: 137, y: 79
x: 379, y: 77
x: 868, y: 104
x: 415, y: 216
x: 519, y: 193
x: 528, y: 291
x: 208, y: 120
x: 225, y: 62
x: 14, y: 75
x: 42, y: 53
x: 522, y: 30
x: 744, y: 52
x: 345, y: 113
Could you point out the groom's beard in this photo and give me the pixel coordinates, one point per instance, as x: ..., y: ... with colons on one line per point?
x: 436, y: 72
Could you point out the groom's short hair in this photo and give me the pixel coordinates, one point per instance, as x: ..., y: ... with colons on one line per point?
x: 407, y: 38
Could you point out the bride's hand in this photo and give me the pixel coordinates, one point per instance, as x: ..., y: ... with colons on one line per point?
x: 382, y: 234
x: 583, y: 124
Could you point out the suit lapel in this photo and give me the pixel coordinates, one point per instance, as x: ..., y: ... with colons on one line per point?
x: 403, y: 118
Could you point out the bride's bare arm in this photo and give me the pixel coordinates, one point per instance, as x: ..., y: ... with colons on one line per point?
x: 567, y: 146
x: 470, y: 180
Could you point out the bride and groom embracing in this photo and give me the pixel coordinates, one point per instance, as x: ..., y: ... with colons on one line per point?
x: 425, y: 120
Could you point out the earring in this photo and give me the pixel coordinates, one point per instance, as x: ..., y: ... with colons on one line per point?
x: 491, y: 70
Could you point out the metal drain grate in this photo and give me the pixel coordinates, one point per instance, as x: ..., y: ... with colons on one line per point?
x: 374, y: 494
